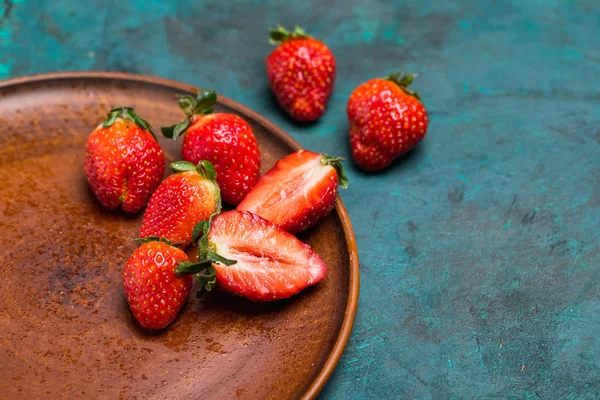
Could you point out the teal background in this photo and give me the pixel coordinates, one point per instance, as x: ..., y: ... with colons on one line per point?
x: 480, y: 254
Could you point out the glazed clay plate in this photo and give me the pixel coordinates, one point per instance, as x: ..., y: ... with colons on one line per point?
x: 66, y: 328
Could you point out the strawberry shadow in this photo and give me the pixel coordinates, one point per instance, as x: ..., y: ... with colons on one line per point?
x: 222, y: 301
x: 146, y: 334
x: 98, y: 210
x: 403, y: 163
x: 274, y: 104
x: 224, y: 305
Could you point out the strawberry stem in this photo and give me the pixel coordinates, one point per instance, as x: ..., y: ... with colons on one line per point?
x: 189, y: 268
x: 404, y: 80
x: 197, y: 231
x: 207, y: 281
x: 204, y: 169
x: 336, y: 162
x: 215, y: 257
x: 149, y: 239
x: 127, y: 113
x: 182, y: 166
x: 206, y: 252
x: 206, y: 274
x: 279, y: 34
x: 202, y: 104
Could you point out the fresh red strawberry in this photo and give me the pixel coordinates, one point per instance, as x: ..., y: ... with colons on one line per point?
x: 154, y: 293
x: 386, y: 120
x: 182, y: 200
x: 301, y: 72
x: 254, y: 258
x: 123, y: 161
x: 298, y: 191
x: 226, y: 140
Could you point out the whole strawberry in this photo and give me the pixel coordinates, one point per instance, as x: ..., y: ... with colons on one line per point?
x: 254, y: 258
x: 123, y: 161
x: 182, y: 200
x: 301, y: 72
x: 298, y: 191
x: 154, y: 293
x: 386, y: 120
x: 226, y: 140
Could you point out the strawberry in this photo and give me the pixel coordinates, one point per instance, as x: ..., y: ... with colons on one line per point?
x: 226, y: 140
x: 254, y: 258
x: 386, y: 120
x: 298, y: 191
x: 301, y: 72
x: 182, y: 200
x: 123, y: 161
x: 154, y: 293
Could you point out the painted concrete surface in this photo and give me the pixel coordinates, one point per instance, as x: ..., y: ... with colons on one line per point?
x: 480, y: 250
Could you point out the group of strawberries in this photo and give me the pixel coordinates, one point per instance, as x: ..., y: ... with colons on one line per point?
x: 386, y: 118
x: 250, y: 251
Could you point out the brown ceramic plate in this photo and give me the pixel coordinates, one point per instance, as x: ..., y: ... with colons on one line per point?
x: 66, y: 327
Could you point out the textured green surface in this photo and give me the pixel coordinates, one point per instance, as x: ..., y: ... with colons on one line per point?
x: 480, y: 253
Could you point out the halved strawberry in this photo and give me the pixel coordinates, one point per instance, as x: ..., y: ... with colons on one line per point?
x: 254, y: 258
x: 189, y: 196
x: 298, y: 191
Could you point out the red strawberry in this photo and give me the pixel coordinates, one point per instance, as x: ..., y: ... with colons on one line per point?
x: 226, y: 140
x: 181, y: 201
x: 254, y: 258
x: 301, y: 72
x: 298, y: 191
x: 154, y: 293
x: 123, y: 161
x: 386, y: 120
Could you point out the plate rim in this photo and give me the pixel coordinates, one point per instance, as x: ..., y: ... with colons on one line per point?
x: 332, y: 360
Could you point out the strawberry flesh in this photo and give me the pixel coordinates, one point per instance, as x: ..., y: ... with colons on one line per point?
x: 270, y: 263
x: 296, y: 193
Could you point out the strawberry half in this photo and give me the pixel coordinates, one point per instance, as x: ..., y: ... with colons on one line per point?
x: 226, y: 140
x: 181, y: 201
x: 154, y: 293
x: 254, y: 258
x: 301, y: 72
x: 298, y: 191
x: 123, y: 161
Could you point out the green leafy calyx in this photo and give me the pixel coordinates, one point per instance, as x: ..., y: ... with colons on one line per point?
x: 207, y: 255
x: 127, y: 113
x: 149, y: 239
x: 279, y: 34
x: 207, y: 280
x: 202, y: 104
x: 336, y: 162
x: 182, y: 166
x: 204, y: 168
x: 404, y: 80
